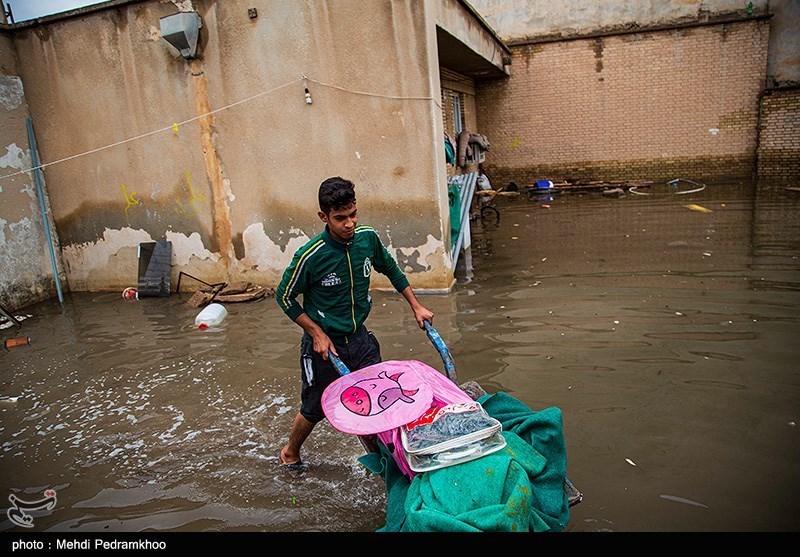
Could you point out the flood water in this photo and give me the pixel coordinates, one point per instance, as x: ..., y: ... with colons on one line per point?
x: 668, y: 337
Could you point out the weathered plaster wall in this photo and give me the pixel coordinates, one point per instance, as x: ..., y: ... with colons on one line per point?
x: 26, y: 271
x: 784, y: 43
x: 235, y: 191
x: 520, y: 19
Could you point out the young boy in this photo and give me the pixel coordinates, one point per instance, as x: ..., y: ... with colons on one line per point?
x: 332, y: 272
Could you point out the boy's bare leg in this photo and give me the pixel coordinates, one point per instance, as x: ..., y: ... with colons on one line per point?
x: 301, y: 429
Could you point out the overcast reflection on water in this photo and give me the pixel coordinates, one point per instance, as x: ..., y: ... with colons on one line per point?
x: 662, y: 325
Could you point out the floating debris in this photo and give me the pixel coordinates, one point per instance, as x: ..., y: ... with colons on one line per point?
x: 674, y: 183
x: 130, y: 294
x: 614, y: 192
x: 698, y: 208
x: 629, y: 461
x: 682, y: 500
x: 19, y: 341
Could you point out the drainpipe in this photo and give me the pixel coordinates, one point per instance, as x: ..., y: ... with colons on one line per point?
x: 38, y: 176
x: 221, y: 214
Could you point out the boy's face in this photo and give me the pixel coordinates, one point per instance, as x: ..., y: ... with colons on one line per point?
x: 341, y: 222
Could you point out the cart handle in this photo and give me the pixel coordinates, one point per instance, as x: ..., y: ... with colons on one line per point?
x: 444, y: 352
x: 338, y: 363
x: 438, y: 343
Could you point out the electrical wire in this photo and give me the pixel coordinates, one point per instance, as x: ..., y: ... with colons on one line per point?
x: 394, y: 97
x: 172, y: 126
x: 148, y: 134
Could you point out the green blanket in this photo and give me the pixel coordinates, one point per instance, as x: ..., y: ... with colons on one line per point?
x: 517, y: 489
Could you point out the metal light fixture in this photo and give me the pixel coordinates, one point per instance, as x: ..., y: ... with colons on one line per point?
x: 182, y: 30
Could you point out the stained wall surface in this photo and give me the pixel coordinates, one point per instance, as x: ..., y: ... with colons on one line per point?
x: 639, y: 106
x: 26, y: 268
x: 221, y: 154
x: 517, y: 20
x: 681, y: 86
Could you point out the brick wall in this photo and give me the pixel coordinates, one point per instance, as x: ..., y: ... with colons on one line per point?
x: 652, y: 105
x: 779, y: 141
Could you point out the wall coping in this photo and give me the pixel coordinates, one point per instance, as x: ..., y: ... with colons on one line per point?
x: 632, y: 29
x: 77, y: 12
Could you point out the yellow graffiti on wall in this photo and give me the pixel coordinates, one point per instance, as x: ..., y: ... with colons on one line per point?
x: 195, y: 198
x: 130, y: 199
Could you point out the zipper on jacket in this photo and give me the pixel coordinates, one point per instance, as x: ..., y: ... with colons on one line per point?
x: 352, y: 288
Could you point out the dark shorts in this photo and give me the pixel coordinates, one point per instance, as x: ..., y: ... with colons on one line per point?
x: 361, y: 349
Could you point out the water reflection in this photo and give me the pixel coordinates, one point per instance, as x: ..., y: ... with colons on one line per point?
x: 665, y: 334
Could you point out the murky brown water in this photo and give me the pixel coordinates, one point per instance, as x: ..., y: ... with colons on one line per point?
x: 667, y: 336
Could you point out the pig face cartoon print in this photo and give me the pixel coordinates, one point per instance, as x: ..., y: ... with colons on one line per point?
x: 373, y: 395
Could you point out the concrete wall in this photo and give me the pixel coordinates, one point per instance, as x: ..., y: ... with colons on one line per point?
x: 26, y: 270
x: 458, y: 18
x: 784, y: 43
x: 639, y: 106
x: 235, y: 191
x: 522, y: 19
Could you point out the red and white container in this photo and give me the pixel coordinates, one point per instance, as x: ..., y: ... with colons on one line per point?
x: 212, y: 314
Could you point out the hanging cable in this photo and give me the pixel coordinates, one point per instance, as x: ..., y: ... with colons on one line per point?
x: 171, y: 127
x: 174, y: 126
x: 394, y: 97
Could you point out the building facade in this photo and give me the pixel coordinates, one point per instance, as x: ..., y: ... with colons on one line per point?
x: 220, y: 153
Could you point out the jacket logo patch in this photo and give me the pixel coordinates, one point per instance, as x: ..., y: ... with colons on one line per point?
x: 331, y: 280
x: 367, y: 267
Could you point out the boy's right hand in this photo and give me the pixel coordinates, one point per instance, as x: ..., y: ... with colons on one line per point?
x: 323, y: 343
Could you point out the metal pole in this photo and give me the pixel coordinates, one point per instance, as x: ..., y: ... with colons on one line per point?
x: 8, y: 314
x: 40, y: 191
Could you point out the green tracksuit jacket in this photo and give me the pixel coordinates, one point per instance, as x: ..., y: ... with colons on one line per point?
x: 333, y: 278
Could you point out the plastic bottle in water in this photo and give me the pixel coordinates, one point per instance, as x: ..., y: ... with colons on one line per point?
x: 212, y: 314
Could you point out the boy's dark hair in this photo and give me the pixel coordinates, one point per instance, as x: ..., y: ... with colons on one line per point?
x: 336, y: 193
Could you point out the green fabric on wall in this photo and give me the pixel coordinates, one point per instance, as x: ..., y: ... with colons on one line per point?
x: 454, y: 200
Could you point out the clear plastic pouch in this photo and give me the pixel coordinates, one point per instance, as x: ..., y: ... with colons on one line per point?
x: 419, y: 462
x: 445, y: 426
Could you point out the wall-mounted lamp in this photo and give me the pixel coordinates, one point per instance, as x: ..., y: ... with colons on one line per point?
x: 307, y: 92
x: 182, y: 31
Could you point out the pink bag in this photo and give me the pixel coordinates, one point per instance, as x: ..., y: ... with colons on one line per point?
x: 382, y: 397
x: 377, y: 398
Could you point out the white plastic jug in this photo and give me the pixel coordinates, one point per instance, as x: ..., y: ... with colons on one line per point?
x: 212, y: 314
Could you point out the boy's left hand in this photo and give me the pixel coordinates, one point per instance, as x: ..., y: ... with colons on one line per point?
x: 422, y: 314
